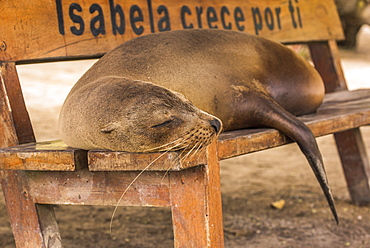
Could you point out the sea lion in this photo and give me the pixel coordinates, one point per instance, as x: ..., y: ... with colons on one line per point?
x: 154, y: 92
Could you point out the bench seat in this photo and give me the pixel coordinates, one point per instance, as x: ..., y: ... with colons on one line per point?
x: 342, y: 110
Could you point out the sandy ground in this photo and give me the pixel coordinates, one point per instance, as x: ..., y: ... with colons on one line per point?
x: 249, y: 183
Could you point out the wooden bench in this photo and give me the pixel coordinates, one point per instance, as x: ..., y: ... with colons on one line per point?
x: 36, y: 175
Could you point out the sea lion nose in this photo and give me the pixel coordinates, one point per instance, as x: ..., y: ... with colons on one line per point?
x: 216, y: 124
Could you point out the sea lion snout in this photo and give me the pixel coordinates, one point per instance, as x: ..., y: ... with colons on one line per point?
x: 216, y: 124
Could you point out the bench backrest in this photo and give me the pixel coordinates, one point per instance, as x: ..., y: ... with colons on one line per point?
x: 56, y: 30
x: 47, y: 30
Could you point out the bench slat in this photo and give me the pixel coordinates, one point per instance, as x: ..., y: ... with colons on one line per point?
x: 43, y: 156
x: 340, y: 111
x: 85, y: 187
x: 100, y: 160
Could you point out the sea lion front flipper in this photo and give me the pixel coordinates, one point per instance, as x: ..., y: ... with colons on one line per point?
x: 270, y: 114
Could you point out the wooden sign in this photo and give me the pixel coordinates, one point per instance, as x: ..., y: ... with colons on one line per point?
x: 47, y: 29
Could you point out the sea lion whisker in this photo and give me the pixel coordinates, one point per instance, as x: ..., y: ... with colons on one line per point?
x: 193, y: 149
x: 183, y: 139
x: 182, y: 152
x: 199, y: 152
x: 198, y: 149
x: 162, y: 146
x: 128, y: 187
x: 203, y: 145
x: 189, y: 151
x: 177, y: 160
x: 179, y: 146
x: 183, y: 144
x: 181, y: 157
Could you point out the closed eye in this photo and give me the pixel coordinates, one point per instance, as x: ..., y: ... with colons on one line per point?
x: 162, y: 124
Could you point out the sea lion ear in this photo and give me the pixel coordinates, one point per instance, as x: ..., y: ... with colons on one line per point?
x: 110, y: 127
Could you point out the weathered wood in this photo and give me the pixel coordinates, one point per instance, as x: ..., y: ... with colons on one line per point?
x: 214, y: 208
x: 83, y: 187
x: 49, y: 226
x: 194, y: 195
x: 51, y: 156
x: 15, y: 101
x: 7, y: 129
x: 325, y: 56
x: 121, y: 161
x: 355, y: 164
x: 28, y: 227
x: 85, y: 29
x: 196, y: 208
x: 352, y: 152
x: 22, y: 210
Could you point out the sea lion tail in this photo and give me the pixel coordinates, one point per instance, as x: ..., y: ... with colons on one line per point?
x: 273, y: 115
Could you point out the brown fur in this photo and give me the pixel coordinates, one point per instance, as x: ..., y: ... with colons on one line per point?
x: 203, y: 64
x: 244, y: 80
x: 138, y: 117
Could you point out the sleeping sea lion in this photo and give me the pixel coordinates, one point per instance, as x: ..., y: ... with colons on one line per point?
x: 172, y: 90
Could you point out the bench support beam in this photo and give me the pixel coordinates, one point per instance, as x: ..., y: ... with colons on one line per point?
x: 350, y: 145
x: 355, y: 164
x: 29, y: 222
x: 196, y: 204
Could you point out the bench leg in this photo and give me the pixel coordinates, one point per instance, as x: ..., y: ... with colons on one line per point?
x: 196, y: 205
x: 355, y: 164
x: 33, y: 225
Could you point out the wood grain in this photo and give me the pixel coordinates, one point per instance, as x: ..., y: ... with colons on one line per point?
x: 326, y: 58
x: 7, y: 128
x: 53, y: 156
x: 118, y: 161
x: 350, y: 145
x: 80, y: 29
x: 15, y: 128
x: 195, y: 201
x: 22, y: 212
x: 356, y: 168
x: 15, y: 101
x: 83, y: 187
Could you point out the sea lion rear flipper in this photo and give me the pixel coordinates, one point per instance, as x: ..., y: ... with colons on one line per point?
x: 271, y: 114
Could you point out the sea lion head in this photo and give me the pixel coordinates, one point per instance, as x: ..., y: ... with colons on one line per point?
x: 125, y: 115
